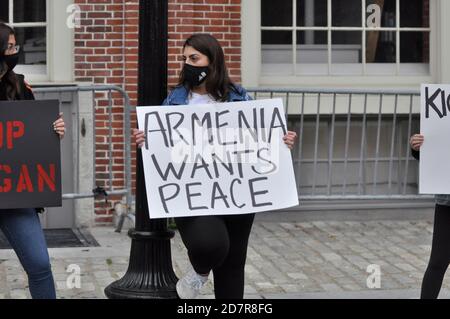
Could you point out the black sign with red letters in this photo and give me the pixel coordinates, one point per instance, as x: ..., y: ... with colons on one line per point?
x: 30, y: 155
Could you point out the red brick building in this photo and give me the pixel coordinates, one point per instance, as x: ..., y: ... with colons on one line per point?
x: 106, y: 48
x: 273, y: 44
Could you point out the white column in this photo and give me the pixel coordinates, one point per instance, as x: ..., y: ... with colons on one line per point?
x: 251, y: 42
x: 84, y: 170
x: 443, y: 42
x: 60, y: 42
x: 309, y: 21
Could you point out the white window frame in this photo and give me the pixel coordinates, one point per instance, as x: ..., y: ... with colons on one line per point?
x: 60, y: 42
x: 251, y: 52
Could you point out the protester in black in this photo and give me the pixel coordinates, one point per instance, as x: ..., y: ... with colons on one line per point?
x: 214, y: 243
x: 440, y: 249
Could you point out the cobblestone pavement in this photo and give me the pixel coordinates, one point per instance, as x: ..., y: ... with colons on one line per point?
x: 319, y: 259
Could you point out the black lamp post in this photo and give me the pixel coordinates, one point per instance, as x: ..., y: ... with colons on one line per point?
x: 150, y: 274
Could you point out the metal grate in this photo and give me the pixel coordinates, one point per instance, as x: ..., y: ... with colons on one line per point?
x: 61, y: 238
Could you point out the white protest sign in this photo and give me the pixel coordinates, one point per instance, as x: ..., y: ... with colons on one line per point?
x: 435, y: 151
x: 216, y: 159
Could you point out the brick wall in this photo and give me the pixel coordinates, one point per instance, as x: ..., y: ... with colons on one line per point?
x: 221, y: 18
x: 106, y: 52
x: 106, y: 48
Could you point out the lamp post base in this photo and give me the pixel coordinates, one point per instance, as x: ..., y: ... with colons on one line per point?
x: 150, y: 274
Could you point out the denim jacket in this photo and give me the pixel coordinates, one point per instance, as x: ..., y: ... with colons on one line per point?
x: 180, y: 96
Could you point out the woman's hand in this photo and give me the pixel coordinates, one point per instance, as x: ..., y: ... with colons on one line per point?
x: 416, y: 141
x: 289, y: 139
x: 59, y: 126
x: 139, y: 136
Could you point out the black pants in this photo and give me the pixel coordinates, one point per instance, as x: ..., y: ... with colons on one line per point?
x: 218, y: 243
x: 440, y: 254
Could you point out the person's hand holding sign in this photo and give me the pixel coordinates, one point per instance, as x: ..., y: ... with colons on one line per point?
x: 416, y: 141
x: 289, y: 139
x: 139, y: 136
x: 59, y: 126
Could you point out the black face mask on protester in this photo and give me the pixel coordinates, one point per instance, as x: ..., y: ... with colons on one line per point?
x: 195, y: 75
x: 11, y: 60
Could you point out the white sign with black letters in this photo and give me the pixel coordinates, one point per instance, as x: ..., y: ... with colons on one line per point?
x: 216, y: 159
x: 435, y: 152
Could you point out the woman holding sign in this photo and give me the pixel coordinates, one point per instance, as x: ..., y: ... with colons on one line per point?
x: 440, y: 251
x: 22, y: 227
x: 214, y: 243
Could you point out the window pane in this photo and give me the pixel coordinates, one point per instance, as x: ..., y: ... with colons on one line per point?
x: 312, y: 47
x: 346, y: 13
x: 312, y: 53
x: 414, y: 47
x: 414, y: 53
x: 381, y: 13
x: 346, y: 47
x: 276, y: 37
x: 29, y: 11
x: 4, y: 10
x: 276, y: 13
x: 312, y: 37
x: 277, y: 52
x: 380, y: 47
x: 346, y: 53
x: 312, y: 13
x: 33, y: 48
x: 277, y: 47
x: 414, y: 13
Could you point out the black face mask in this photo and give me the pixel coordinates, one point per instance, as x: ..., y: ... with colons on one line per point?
x: 11, y: 60
x: 195, y: 75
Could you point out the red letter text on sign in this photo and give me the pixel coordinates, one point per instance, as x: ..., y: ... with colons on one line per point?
x: 24, y: 180
x: 15, y: 130
x: 44, y: 177
x: 6, y: 187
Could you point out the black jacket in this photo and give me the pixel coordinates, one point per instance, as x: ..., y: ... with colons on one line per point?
x: 24, y: 92
x: 415, y: 154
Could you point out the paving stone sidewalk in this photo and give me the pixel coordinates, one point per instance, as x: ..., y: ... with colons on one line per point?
x: 318, y: 259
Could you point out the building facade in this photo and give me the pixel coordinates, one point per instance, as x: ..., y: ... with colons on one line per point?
x: 363, y: 44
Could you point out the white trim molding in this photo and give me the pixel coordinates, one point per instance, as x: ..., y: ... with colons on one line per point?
x: 60, y: 44
x: 251, y: 42
x: 442, y: 67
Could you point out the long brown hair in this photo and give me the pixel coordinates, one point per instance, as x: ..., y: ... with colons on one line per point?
x: 7, y: 76
x: 218, y: 82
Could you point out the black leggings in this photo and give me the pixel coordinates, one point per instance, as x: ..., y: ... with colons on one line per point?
x: 218, y: 243
x: 440, y: 254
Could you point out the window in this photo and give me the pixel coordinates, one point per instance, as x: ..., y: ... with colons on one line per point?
x: 29, y: 19
x: 345, y: 37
